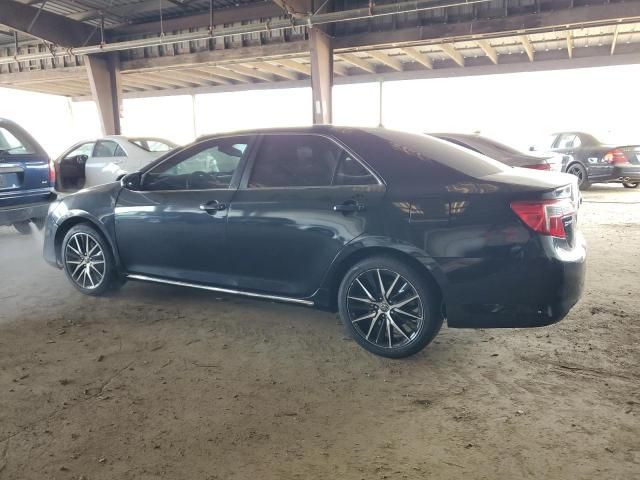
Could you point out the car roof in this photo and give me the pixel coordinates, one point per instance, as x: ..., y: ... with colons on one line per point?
x: 322, y: 129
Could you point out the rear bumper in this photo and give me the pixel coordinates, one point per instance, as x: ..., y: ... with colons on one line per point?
x: 534, y: 293
x: 627, y: 173
x: 11, y: 215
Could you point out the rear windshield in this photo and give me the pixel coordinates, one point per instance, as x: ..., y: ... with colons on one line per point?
x: 410, y: 150
x: 499, y: 147
x: 14, y: 142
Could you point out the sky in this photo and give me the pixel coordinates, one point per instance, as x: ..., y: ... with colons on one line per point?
x: 518, y: 109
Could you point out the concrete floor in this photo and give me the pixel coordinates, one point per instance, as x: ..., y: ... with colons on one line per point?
x: 161, y: 382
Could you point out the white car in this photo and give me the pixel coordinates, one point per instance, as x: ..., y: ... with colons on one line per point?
x: 96, y: 162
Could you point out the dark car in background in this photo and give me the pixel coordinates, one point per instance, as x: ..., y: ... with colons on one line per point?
x: 593, y: 161
x: 396, y: 231
x: 27, y: 178
x: 503, y: 153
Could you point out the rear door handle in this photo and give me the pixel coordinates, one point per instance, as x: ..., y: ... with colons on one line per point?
x: 213, y: 206
x: 349, y: 206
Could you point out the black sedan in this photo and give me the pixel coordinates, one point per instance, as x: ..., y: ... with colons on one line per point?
x: 503, y: 153
x: 592, y: 161
x: 395, y: 231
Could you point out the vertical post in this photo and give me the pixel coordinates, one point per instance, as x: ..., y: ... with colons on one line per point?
x: 321, y: 74
x: 106, y: 90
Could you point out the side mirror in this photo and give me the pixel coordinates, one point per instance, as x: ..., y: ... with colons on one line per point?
x: 131, y: 181
x: 532, y: 148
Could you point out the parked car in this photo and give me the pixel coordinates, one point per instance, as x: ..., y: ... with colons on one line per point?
x: 593, y: 161
x: 87, y: 164
x: 26, y: 178
x: 396, y: 231
x: 503, y: 153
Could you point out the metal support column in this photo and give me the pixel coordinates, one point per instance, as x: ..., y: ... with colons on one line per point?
x: 106, y: 89
x: 321, y: 74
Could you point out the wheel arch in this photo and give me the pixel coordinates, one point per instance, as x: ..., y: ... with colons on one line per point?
x: 76, y: 219
x: 408, y: 254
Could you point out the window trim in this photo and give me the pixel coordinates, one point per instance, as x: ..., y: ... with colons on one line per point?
x: 69, y: 151
x: 246, y: 175
x: 186, y: 153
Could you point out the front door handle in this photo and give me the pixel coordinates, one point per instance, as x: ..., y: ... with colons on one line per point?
x: 349, y: 206
x: 213, y: 206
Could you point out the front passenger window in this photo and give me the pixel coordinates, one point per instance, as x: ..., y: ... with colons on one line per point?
x: 208, y: 167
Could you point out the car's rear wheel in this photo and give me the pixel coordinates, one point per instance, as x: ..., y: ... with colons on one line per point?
x: 630, y: 185
x: 578, y: 170
x: 389, y: 308
x: 88, y: 261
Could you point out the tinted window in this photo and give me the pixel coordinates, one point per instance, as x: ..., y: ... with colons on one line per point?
x: 105, y: 149
x: 10, y: 144
x: 84, y: 149
x: 119, y: 152
x: 151, y: 145
x: 352, y: 172
x: 212, y: 165
x: 295, y: 161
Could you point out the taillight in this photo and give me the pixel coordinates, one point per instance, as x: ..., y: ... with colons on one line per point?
x: 545, y: 216
x: 539, y: 166
x: 615, y: 156
x: 52, y: 173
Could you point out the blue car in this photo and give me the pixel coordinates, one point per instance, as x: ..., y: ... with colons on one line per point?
x: 27, y: 178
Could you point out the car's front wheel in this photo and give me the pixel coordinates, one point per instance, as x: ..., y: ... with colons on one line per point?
x: 630, y: 185
x: 389, y: 308
x: 88, y: 261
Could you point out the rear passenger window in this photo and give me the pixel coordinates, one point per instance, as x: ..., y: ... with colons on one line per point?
x: 295, y: 161
x: 352, y: 172
x: 106, y: 149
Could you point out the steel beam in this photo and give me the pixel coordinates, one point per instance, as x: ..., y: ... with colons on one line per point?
x: 106, y: 90
x: 321, y: 75
x: 45, y: 25
x: 416, y: 55
x: 614, y: 41
x: 528, y: 48
x: 488, y: 50
x: 358, y: 62
x: 454, y: 54
x: 387, y: 60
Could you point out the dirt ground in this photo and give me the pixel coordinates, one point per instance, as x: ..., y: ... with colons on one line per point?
x: 163, y: 382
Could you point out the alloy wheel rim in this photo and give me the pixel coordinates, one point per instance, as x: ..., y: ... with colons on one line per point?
x: 384, y: 308
x: 84, y: 260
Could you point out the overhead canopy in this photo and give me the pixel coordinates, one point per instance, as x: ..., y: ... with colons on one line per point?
x: 188, y: 46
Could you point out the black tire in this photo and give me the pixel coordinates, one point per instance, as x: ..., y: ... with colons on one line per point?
x: 577, y: 169
x: 419, y: 326
x: 630, y: 185
x: 23, y: 228
x: 90, y: 282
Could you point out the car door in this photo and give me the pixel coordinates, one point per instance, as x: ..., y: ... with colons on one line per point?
x: 71, y: 166
x: 174, y: 225
x: 301, y: 200
x: 105, y: 163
